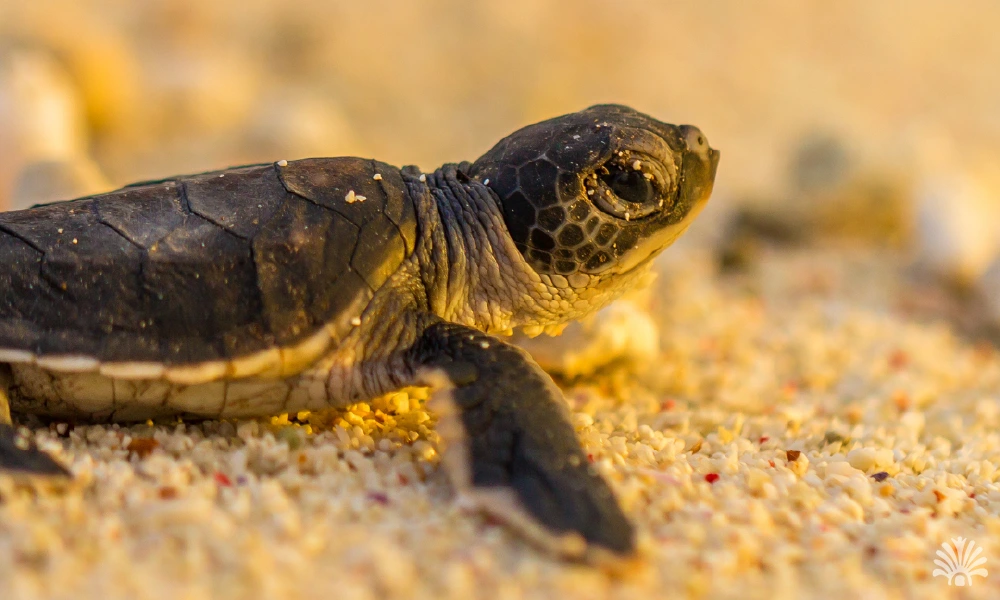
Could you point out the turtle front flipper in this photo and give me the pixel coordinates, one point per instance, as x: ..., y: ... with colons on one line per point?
x: 19, y: 456
x: 511, y: 446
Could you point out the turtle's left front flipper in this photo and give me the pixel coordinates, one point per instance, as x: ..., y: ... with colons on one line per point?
x: 18, y: 455
x: 512, y: 448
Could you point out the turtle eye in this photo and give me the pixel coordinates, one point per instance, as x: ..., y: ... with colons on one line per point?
x: 630, y: 186
x: 627, y: 191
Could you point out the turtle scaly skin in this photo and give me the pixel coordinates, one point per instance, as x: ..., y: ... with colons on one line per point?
x: 322, y: 282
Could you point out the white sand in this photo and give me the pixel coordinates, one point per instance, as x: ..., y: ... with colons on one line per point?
x: 356, y: 505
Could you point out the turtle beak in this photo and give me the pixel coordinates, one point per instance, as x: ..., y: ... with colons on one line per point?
x: 647, y: 249
x: 706, y: 192
x: 713, y: 157
x: 713, y: 167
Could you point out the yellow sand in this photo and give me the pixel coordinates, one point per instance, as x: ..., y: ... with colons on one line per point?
x: 795, y: 408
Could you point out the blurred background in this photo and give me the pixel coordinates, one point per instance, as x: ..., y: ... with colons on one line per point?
x: 877, y: 121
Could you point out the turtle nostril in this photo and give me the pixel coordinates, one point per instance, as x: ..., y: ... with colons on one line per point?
x: 693, y: 136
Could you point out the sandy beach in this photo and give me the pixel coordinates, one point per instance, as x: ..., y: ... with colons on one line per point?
x: 826, y: 447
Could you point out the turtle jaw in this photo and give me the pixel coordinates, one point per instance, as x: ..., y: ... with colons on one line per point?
x: 650, y: 247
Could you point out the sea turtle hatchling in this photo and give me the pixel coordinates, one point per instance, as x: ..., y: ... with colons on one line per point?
x: 300, y: 285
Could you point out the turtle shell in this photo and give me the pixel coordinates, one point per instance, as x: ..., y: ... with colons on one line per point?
x: 229, y: 273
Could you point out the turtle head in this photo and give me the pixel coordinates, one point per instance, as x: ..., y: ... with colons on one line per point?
x: 598, y: 192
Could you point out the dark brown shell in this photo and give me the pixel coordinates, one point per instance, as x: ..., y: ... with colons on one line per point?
x: 203, y: 268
